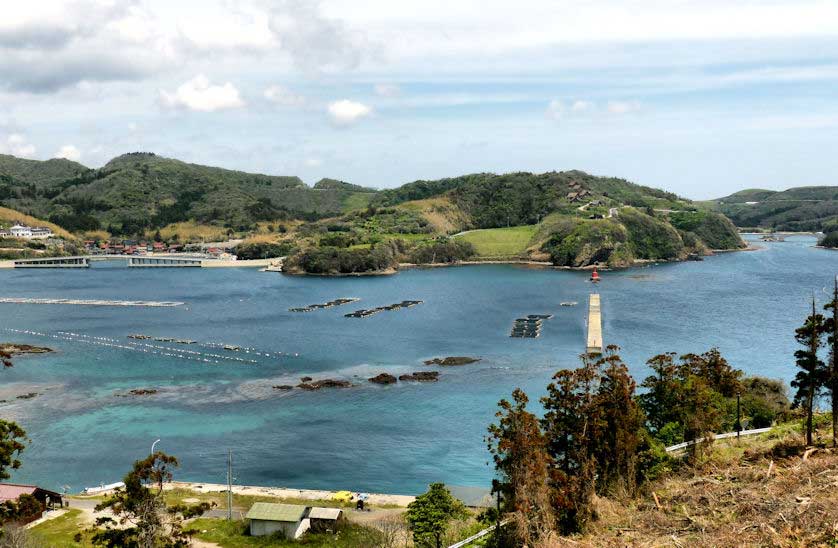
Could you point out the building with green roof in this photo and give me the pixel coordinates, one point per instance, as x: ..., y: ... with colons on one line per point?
x: 267, y: 518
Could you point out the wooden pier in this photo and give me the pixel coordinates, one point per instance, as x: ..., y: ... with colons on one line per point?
x: 594, y: 344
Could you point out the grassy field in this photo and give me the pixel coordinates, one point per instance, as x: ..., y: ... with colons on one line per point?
x: 357, y: 200
x: 60, y: 532
x: 234, y: 534
x: 500, y: 242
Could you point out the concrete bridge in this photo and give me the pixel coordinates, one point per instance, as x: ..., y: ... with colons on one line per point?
x: 140, y: 261
x: 83, y: 261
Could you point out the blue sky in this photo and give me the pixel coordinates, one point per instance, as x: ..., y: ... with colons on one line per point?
x: 699, y: 97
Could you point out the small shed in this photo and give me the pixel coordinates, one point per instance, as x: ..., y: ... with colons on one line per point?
x: 267, y: 518
x: 324, y: 520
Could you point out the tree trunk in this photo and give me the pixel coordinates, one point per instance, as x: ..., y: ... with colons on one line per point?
x: 833, y: 380
x: 810, y: 404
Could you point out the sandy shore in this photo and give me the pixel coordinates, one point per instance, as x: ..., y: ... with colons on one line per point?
x: 285, y: 493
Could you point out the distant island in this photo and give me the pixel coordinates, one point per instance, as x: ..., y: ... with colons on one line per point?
x: 568, y: 219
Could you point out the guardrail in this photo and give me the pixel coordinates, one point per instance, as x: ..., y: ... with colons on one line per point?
x: 476, y: 536
x: 684, y: 445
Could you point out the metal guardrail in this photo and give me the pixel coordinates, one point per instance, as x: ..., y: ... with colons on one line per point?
x: 684, y: 445
x: 476, y: 536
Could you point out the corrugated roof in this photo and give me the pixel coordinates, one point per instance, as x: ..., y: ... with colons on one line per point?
x: 270, y: 511
x: 324, y: 513
x: 11, y: 491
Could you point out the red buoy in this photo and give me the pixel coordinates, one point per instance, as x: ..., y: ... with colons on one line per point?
x: 595, y: 276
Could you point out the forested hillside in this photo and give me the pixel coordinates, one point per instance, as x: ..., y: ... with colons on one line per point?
x: 141, y: 191
x: 812, y: 208
x: 570, y: 218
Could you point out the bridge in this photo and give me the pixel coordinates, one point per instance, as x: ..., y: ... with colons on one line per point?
x: 594, y: 343
x: 135, y: 261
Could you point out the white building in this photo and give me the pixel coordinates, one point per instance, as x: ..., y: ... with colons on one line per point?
x: 29, y: 233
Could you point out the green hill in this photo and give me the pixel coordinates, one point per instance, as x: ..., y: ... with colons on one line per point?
x: 810, y: 208
x: 570, y: 218
x: 142, y: 191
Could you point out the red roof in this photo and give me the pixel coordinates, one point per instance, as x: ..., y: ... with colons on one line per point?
x: 12, y: 491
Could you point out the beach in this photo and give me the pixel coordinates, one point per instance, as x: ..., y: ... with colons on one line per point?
x: 375, y: 499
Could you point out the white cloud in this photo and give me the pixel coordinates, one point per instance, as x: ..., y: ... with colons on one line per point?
x: 346, y: 112
x: 582, y: 106
x: 17, y: 145
x: 284, y: 96
x: 199, y: 94
x: 387, y: 90
x: 555, y: 110
x: 313, y: 162
x: 623, y: 107
x: 70, y: 152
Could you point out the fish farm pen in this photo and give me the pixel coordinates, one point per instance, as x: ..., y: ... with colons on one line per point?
x: 363, y: 313
x: 529, y: 327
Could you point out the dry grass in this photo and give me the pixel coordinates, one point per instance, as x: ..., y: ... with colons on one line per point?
x: 190, y: 231
x: 762, y: 492
x: 443, y: 216
x: 9, y: 216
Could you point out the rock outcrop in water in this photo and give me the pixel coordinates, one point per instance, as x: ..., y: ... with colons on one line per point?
x: 324, y: 383
x: 283, y: 387
x: 383, y: 378
x: 452, y: 360
x: 421, y: 376
x: 19, y: 349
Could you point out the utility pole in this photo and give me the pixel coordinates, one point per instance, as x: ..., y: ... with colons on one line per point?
x: 230, y: 485
x: 738, y: 417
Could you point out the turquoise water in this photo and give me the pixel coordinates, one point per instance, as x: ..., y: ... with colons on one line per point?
x: 378, y: 438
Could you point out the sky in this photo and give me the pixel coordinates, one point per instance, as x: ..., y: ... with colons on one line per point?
x: 700, y: 97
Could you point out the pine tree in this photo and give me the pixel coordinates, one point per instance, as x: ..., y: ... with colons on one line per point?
x: 831, y: 328
x: 811, y: 375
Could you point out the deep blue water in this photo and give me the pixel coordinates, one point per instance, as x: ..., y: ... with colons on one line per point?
x: 387, y: 439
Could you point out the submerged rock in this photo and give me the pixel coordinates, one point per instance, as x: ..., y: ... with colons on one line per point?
x: 325, y: 383
x: 452, y: 360
x: 28, y: 396
x: 283, y: 387
x: 421, y: 376
x: 305, y: 379
x: 143, y: 391
x: 383, y: 378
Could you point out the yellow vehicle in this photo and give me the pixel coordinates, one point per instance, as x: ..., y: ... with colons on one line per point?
x: 342, y: 496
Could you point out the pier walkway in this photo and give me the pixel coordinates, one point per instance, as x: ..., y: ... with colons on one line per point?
x: 134, y: 261
x: 594, y: 343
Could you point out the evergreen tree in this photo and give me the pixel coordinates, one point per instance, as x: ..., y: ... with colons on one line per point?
x: 429, y: 514
x: 620, y: 428
x: 811, y: 375
x: 569, y: 424
x: 519, y: 450
x: 144, y: 520
x: 831, y: 328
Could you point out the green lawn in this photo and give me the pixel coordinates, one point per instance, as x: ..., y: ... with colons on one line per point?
x: 500, y: 242
x: 59, y: 532
x: 233, y: 534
